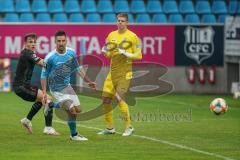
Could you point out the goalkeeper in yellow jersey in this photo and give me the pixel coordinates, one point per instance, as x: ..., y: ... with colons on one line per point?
x: 122, y: 46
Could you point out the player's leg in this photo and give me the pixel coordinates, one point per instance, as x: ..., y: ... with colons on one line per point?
x: 124, y: 109
x: 70, y: 103
x: 50, y: 104
x: 72, y: 116
x: 74, y: 111
x: 108, y: 110
x: 122, y: 89
x: 120, y: 96
x: 125, y: 115
x: 69, y: 93
x: 74, y: 135
x: 28, y: 93
x: 107, y: 95
x: 26, y: 122
x: 72, y: 124
x: 48, y: 114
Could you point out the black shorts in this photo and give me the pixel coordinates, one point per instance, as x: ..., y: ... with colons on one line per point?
x: 27, y: 92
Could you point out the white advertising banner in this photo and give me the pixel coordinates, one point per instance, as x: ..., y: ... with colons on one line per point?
x: 232, y: 36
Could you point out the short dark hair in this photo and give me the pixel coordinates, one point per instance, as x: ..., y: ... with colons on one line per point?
x: 60, y: 33
x: 31, y: 35
x: 125, y: 15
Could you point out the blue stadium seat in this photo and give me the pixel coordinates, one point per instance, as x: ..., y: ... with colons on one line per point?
x: 186, y: 7
x: 71, y: 6
x: 109, y: 18
x: 1, y: 1
x: 60, y: 17
x: 39, y: 6
x: 203, y: 7
x: 137, y: 6
x: 143, y: 18
x: 11, y: 17
x: 55, y: 6
x: 221, y: 18
x: 104, y: 6
x: 234, y: 7
x: 121, y: 6
x: 43, y: 17
x: 93, y: 18
x: 7, y: 6
x: 76, y: 17
x: 130, y: 18
x: 175, y: 18
x: 22, y: 6
x: 154, y: 6
x: 192, y: 18
x: 159, y: 18
x: 170, y: 7
x: 209, y: 18
x: 219, y: 7
x: 26, y: 17
x: 88, y: 6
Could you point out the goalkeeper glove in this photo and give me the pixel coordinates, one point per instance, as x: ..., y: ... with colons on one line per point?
x: 125, y: 53
x: 104, y: 49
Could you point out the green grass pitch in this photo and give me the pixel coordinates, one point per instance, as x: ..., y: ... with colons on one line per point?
x: 170, y: 127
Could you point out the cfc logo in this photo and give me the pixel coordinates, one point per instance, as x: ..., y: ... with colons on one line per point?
x: 199, y: 43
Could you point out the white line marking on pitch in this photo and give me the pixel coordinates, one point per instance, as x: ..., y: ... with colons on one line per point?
x: 187, y: 104
x: 163, y: 142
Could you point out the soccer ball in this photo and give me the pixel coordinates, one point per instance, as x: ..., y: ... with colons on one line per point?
x: 218, y: 106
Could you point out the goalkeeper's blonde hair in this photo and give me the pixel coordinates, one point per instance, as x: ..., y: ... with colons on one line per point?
x: 125, y: 15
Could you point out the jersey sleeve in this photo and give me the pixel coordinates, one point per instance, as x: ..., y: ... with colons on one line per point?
x: 108, y: 46
x: 32, y: 56
x: 46, y: 70
x: 75, y: 64
x: 137, y: 48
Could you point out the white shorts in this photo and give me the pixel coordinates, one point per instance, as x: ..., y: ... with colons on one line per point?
x: 66, y: 94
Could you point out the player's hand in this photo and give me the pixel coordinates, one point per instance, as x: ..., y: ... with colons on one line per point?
x: 44, y: 99
x: 44, y: 65
x: 92, y: 85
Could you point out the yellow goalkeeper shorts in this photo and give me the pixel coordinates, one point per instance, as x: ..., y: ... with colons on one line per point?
x: 111, y: 86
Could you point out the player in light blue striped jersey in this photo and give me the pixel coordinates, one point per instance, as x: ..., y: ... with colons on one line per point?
x: 61, y: 64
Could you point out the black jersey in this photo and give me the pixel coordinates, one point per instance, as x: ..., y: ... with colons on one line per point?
x: 25, y: 67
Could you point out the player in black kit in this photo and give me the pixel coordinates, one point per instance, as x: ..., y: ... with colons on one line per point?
x: 23, y: 88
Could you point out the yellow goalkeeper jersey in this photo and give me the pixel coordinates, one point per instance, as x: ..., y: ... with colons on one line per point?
x: 121, y: 66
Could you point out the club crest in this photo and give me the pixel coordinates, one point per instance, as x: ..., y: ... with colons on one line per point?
x: 199, y: 43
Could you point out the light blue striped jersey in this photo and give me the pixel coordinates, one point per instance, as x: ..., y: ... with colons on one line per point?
x: 59, y: 69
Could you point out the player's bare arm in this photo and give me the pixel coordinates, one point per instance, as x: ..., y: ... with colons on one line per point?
x: 86, y: 79
x: 44, y: 89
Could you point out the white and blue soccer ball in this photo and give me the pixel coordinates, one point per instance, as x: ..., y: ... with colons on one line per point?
x: 218, y: 106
